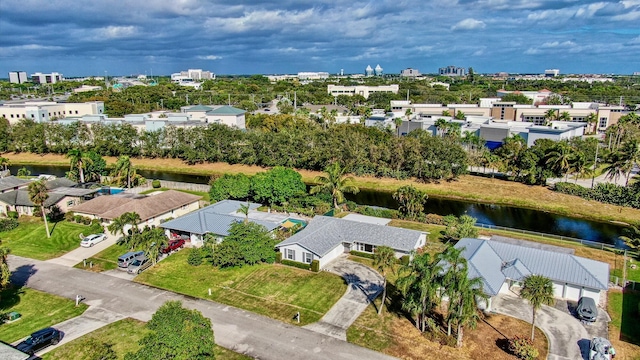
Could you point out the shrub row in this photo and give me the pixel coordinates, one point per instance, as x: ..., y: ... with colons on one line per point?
x: 8, y: 224
x: 295, y: 264
x: 361, y: 254
x: 12, y: 214
x: 604, y: 192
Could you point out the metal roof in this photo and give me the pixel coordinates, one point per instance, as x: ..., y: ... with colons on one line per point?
x: 11, y: 182
x: 496, y: 261
x: 323, y: 234
x: 199, y: 108
x: 367, y: 219
x: 226, y: 110
x: 217, y: 218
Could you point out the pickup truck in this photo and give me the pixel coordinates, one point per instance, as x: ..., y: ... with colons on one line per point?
x: 172, y: 246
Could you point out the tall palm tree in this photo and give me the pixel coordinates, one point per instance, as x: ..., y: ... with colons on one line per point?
x: 117, y: 226
x: 441, y: 125
x: 551, y: 114
x: 538, y: 291
x: 591, y: 120
x: 244, y: 209
x: 455, y: 270
x: 38, y: 195
x: 124, y: 170
x: 464, y: 306
x: 335, y: 183
x: 383, y: 260
x: 78, y: 160
x: 397, y: 122
x: 5, y: 272
x: 564, y: 116
x: 616, y: 168
x: 630, y: 157
x: 580, y: 165
x: 419, y: 283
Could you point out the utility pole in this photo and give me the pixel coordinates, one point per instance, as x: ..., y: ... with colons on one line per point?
x: 229, y: 101
x: 595, y: 165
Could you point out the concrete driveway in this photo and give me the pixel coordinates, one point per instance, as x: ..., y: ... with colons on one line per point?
x: 364, y: 285
x: 76, y: 256
x: 568, y: 339
x: 599, y: 328
x: 242, y: 331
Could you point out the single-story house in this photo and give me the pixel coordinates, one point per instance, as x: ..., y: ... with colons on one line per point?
x: 502, y: 265
x: 11, y: 183
x: 367, y: 219
x: 216, y: 219
x: 326, y: 238
x: 151, y: 208
x: 61, y: 194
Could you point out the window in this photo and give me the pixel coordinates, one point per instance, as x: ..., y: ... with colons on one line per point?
x: 70, y: 203
x: 291, y: 255
x: 603, y: 122
x: 307, y: 257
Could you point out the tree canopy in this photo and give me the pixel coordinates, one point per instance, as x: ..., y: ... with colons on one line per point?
x: 247, y: 244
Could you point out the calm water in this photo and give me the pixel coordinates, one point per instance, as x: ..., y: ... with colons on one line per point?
x: 508, y: 216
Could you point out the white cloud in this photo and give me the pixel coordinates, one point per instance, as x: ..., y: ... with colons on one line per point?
x: 116, y: 32
x: 209, y: 57
x: 469, y: 24
x: 630, y: 16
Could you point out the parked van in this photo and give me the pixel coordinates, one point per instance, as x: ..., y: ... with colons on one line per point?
x: 126, y: 259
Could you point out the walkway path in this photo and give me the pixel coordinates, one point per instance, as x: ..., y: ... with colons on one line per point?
x: 568, y: 339
x: 242, y: 331
x: 364, y: 285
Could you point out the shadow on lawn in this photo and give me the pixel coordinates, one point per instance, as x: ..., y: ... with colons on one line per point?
x: 629, y: 329
x: 10, y: 296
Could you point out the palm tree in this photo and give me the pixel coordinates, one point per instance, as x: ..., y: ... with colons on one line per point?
x: 616, y: 168
x: 334, y: 183
x: 4, y: 162
x: 591, y: 120
x: 124, y: 170
x: 632, y: 236
x: 580, y: 165
x: 455, y: 270
x: 133, y: 219
x: 411, y: 200
x: 5, y: 272
x: 551, y: 114
x: 398, y: 123
x: 38, y: 195
x: 630, y: 157
x: 446, y: 113
x: 560, y: 159
x: 383, y: 259
x: 78, y: 160
x: 465, y: 305
x: 419, y: 285
x: 564, y: 116
x: 244, y: 209
x: 440, y: 124
x: 538, y: 291
x: 117, y: 226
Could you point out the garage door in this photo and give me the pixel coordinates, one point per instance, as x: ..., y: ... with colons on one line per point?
x: 594, y: 294
x: 573, y: 293
x: 558, y: 290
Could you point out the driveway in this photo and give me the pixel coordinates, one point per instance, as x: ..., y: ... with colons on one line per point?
x: 599, y: 328
x: 242, y: 331
x: 568, y: 339
x: 363, y: 286
x: 76, y: 256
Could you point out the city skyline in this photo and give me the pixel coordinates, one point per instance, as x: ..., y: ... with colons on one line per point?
x: 249, y: 37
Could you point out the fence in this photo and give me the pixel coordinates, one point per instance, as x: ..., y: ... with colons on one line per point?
x: 598, y: 245
x: 176, y: 185
x: 617, y: 281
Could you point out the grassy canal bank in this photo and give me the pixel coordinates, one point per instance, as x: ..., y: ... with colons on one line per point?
x: 467, y: 187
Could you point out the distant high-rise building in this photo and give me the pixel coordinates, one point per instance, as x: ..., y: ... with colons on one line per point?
x: 452, y: 70
x: 551, y: 73
x: 41, y: 78
x: 368, y: 71
x: 18, y: 77
x: 409, y: 72
x: 378, y: 70
x: 192, y: 75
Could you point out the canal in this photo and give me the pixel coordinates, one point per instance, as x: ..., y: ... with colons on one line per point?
x: 508, y: 216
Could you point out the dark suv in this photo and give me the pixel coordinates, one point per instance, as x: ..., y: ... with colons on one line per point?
x: 173, y: 245
x: 39, y: 340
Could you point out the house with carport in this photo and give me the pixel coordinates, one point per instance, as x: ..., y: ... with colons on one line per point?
x: 216, y: 219
x: 503, y: 263
x: 326, y: 238
x: 152, y: 209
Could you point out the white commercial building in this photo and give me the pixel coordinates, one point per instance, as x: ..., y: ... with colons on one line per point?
x: 18, y: 77
x: 41, y: 111
x: 313, y: 75
x: 50, y: 78
x: 192, y: 75
x: 363, y: 90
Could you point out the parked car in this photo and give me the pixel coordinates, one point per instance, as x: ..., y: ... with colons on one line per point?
x: 587, y: 309
x: 91, y: 240
x: 125, y: 260
x: 39, y: 340
x: 139, y: 265
x: 600, y: 349
x: 172, y: 246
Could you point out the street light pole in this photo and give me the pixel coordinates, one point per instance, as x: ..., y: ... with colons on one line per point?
x: 595, y: 165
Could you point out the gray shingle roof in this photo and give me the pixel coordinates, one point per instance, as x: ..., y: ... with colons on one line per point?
x: 323, y: 234
x: 497, y: 261
x: 11, y: 182
x: 21, y: 198
x: 216, y: 219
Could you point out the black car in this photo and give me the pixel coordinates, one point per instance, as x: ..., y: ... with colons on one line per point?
x: 39, y: 340
x: 587, y: 309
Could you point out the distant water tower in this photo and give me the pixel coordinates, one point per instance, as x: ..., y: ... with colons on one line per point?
x: 378, y: 70
x: 368, y: 71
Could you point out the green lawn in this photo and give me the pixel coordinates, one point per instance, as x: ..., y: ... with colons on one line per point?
x: 124, y: 335
x: 271, y: 290
x: 29, y: 239
x: 624, y: 309
x: 39, y: 310
x: 107, y: 259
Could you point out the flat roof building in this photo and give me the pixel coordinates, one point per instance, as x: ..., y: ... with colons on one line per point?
x: 51, y: 78
x: 18, y: 77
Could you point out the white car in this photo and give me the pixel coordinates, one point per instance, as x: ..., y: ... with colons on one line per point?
x: 91, y: 240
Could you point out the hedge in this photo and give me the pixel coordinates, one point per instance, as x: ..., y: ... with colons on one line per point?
x: 361, y: 254
x: 295, y: 264
x: 13, y: 214
x: 404, y: 260
x: 604, y: 192
x: 278, y: 257
x: 8, y: 224
x: 155, y: 184
x: 315, y: 266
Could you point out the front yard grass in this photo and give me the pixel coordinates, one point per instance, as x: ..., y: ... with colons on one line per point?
x: 38, y: 309
x: 107, y: 259
x: 275, y: 291
x: 124, y: 335
x: 30, y: 240
x: 624, y: 331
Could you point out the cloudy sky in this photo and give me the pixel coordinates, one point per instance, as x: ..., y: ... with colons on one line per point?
x: 123, y: 37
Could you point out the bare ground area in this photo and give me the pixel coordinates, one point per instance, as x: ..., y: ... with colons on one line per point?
x: 467, y: 187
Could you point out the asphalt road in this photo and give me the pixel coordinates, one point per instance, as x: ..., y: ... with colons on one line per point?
x: 245, y: 332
